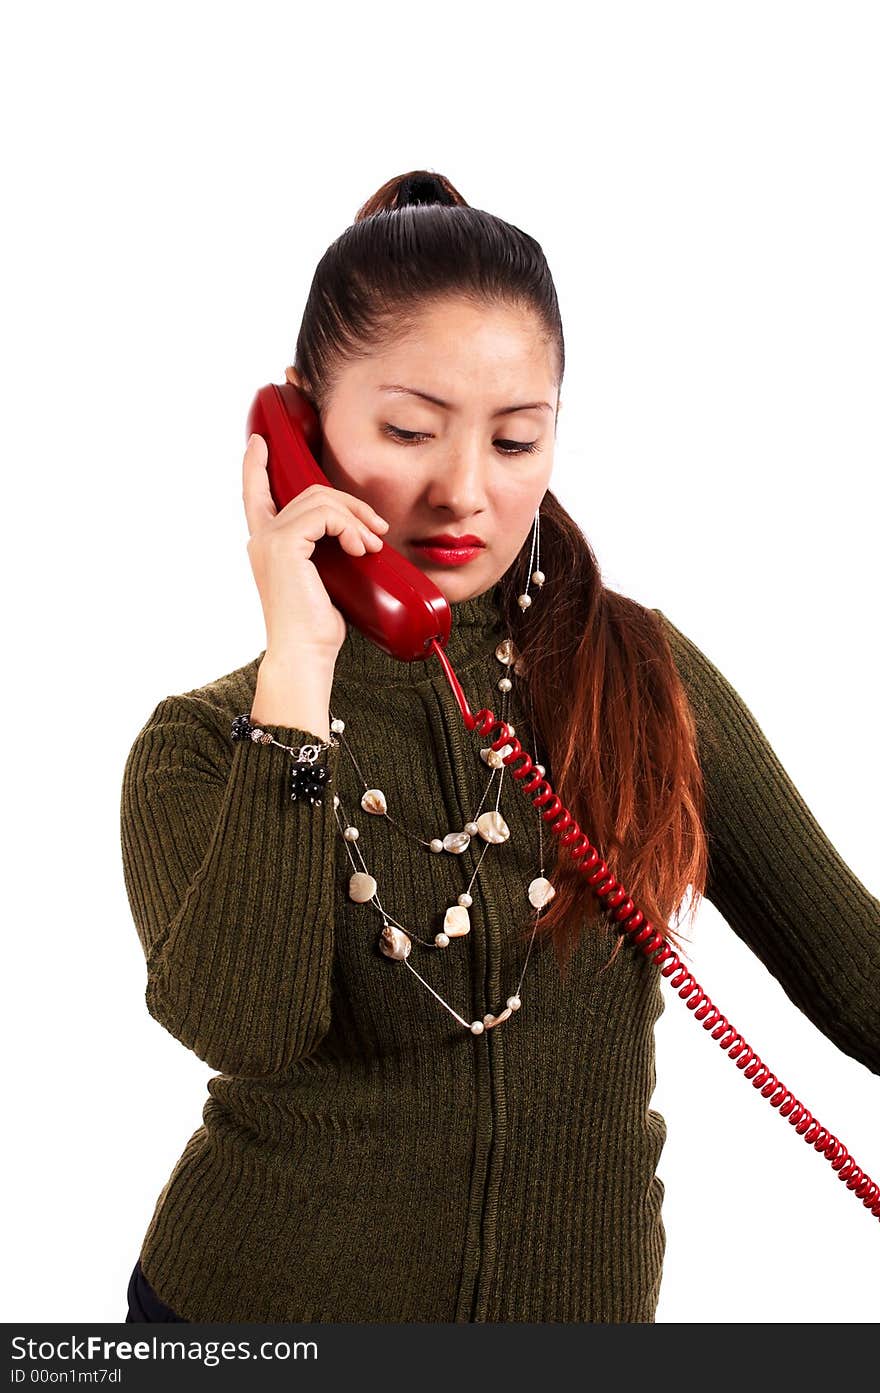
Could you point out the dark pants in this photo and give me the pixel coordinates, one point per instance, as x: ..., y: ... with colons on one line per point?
x: 143, y: 1303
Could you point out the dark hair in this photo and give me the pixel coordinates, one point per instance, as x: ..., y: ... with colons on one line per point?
x: 622, y: 749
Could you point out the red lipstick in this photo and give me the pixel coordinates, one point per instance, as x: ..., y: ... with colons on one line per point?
x: 446, y: 549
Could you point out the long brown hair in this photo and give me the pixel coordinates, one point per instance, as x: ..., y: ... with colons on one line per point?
x: 609, y: 706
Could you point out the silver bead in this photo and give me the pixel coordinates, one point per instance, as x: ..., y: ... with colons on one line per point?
x: 337, y: 726
x: 465, y: 899
x: 504, y: 684
x: 523, y: 601
x: 436, y: 844
x: 514, y: 1003
x: 441, y: 940
x: 538, y: 577
x: 477, y: 1027
x: 351, y: 834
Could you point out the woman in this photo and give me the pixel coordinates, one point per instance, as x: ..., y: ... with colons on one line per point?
x: 434, y: 1065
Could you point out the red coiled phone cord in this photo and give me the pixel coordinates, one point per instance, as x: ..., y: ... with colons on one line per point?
x: 630, y: 920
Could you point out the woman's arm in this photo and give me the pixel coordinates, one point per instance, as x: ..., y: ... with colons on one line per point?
x: 773, y: 873
x: 230, y: 885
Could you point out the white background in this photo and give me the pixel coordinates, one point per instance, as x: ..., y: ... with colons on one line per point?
x: 702, y: 178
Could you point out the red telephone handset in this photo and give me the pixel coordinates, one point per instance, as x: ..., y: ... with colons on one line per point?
x: 404, y: 613
x: 382, y: 594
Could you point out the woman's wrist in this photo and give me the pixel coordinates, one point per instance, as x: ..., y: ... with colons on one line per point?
x: 294, y: 692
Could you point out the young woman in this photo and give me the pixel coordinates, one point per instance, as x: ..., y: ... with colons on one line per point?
x: 434, y: 1066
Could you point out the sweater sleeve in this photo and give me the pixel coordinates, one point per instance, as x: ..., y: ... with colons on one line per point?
x: 230, y: 885
x: 773, y: 873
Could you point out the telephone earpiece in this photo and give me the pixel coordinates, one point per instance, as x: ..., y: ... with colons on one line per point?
x: 382, y: 594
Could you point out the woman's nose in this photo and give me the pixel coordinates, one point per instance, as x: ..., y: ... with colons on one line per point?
x: 459, y: 483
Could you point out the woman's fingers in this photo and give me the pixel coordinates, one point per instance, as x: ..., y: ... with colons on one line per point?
x: 259, y: 505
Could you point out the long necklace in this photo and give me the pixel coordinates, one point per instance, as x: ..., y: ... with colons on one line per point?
x: 395, y: 939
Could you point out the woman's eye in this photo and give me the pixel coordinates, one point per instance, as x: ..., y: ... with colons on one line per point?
x: 520, y: 447
x: 412, y: 437
x: 406, y: 436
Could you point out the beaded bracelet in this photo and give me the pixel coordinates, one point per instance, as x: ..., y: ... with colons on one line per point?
x: 308, y: 780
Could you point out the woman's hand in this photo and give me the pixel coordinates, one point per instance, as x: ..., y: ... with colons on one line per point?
x: 299, y: 614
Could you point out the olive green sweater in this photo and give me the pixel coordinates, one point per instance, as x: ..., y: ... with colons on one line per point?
x: 361, y: 1156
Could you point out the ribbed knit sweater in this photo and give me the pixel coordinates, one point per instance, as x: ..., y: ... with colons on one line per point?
x: 362, y: 1157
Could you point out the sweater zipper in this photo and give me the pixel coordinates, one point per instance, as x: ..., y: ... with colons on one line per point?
x: 491, y: 1111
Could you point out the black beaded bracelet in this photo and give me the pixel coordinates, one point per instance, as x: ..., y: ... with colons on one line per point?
x: 308, y: 780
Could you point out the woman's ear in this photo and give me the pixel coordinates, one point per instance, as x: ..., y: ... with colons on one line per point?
x: 296, y: 379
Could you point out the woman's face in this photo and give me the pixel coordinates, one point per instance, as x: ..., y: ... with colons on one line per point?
x: 465, y: 469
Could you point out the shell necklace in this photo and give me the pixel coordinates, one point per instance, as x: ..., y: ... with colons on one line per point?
x: 395, y: 939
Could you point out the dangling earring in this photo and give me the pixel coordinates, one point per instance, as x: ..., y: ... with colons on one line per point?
x: 536, y: 575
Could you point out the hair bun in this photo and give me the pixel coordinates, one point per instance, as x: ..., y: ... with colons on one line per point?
x: 415, y: 186
x: 423, y: 188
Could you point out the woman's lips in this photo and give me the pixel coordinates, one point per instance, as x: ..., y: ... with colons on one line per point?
x: 444, y: 555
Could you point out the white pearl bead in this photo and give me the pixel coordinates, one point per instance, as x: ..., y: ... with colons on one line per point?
x: 477, y: 1027
x: 351, y: 834
x: 442, y: 940
x: 471, y: 828
x: 540, y: 768
x: 337, y: 726
x: 524, y: 601
x: 465, y: 899
x: 436, y: 844
x: 514, y: 1003
x: 511, y: 730
x: 538, y: 577
x: 504, y: 684
x: 336, y: 800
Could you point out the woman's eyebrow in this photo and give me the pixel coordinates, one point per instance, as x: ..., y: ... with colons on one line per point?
x: 504, y: 411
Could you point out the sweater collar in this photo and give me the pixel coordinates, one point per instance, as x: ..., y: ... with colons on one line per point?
x: 478, y: 626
